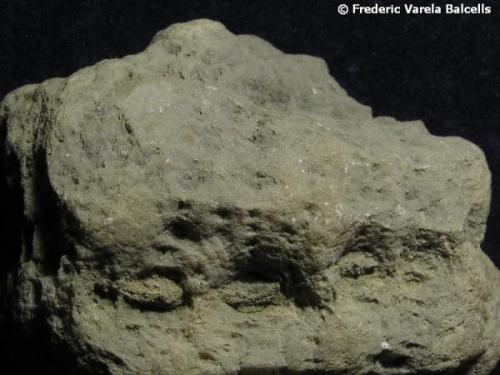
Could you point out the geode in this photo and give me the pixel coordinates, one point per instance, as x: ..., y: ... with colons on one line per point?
x: 215, y: 206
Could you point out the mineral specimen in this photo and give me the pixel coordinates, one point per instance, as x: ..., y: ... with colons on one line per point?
x: 215, y: 206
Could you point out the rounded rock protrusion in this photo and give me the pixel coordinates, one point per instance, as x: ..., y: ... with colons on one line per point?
x: 152, y: 293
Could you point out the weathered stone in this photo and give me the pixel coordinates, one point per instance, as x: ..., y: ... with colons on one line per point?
x: 252, y: 295
x: 215, y: 206
x: 156, y: 293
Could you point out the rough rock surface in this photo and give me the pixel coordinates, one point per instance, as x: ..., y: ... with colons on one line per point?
x: 214, y: 206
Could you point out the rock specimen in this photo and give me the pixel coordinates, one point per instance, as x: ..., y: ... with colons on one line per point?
x: 215, y: 206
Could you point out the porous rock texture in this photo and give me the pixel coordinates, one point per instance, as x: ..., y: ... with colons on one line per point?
x: 215, y: 206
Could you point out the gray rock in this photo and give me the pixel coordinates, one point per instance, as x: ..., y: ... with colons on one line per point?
x: 215, y: 206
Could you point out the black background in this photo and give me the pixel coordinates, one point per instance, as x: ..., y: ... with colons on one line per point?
x: 442, y: 69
